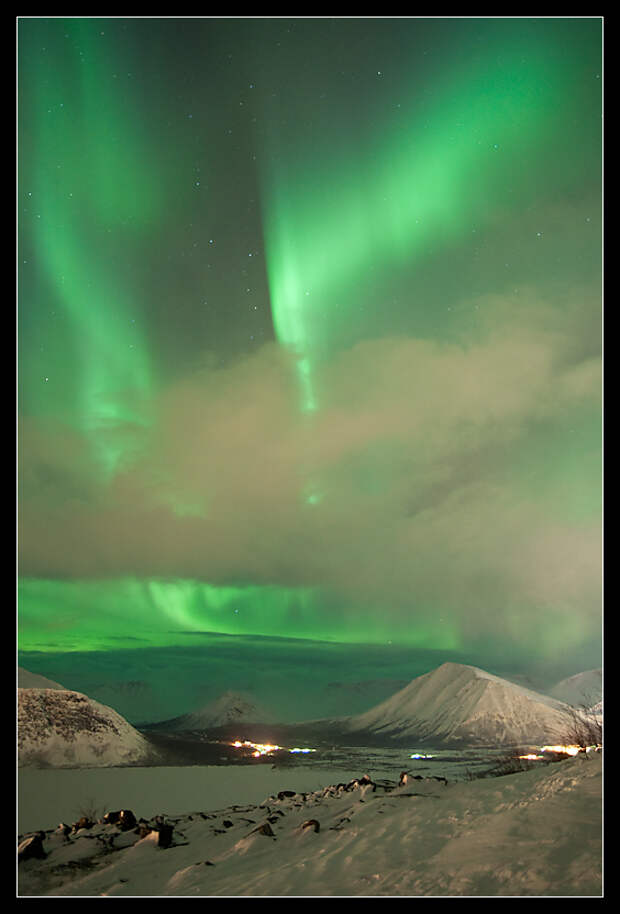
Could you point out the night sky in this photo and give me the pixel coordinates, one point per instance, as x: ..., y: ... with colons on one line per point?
x: 309, y: 347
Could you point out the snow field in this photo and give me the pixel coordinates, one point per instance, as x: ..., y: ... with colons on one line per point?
x: 535, y: 833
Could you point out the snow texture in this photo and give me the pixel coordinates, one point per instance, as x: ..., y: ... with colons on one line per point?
x: 534, y: 833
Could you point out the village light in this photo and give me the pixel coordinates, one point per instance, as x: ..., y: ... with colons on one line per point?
x: 566, y: 750
x: 265, y: 748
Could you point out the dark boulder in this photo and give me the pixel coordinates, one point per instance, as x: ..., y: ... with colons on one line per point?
x: 165, y: 835
x: 32, y: 848
x: 124, y: 818
x: 83, y: 822
x: 312, y: 823
x: 127, y: 820
x: 286, y: 793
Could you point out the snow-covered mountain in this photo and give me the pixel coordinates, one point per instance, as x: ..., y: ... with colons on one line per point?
x: 581, y: 690
x: 459, y: 704
x: 231, y: 707
x: 58, y: 728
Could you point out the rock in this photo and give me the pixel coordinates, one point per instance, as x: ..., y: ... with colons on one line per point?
x: 359, y: 782
x: 366, y: 779
x: 165, y: 835
x: 286, y: 793
x: 311, y: 823
x: 127, y: 820
x: 124, y: 818
x: 32, y: 848
x: 83, y: 822
x: 264, y: 829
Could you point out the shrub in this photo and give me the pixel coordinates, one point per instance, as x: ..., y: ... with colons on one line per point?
x: 583, y: 726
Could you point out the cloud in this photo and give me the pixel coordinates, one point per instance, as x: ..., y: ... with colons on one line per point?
x: 415, y: 488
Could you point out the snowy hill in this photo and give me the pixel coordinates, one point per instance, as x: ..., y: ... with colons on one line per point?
x: 581, y: 690
x: 534, y: 833
x: 229, y: 708
x: 28, y: 680
x: 459, y: 704
x: 59, y: 728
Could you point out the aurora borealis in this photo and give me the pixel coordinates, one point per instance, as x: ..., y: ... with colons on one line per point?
x: 309, y: 342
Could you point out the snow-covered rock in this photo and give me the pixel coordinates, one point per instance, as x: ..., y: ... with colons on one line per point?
x: 60, y: 728
x: 231, y: 707
x: 460, y: 704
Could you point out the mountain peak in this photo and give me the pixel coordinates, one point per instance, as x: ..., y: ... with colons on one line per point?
x: 461, y: 704
x: 228, y: 708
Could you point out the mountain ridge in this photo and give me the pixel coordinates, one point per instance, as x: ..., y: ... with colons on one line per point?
x: 230, y: 707
x: 462, y: 704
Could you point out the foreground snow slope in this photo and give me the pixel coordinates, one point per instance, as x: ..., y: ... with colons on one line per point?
x: 60, y: 728
x: 535, y: 833
x: 464, y: 704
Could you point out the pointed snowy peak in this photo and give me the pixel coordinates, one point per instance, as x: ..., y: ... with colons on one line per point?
x: 461, y: 704
x: 229, y: 708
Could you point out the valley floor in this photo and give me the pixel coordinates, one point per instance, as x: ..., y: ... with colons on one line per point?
x: 534, y: 833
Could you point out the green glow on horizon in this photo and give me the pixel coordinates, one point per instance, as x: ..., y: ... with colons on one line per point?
x: 331, y: 229
x: 128, y: 612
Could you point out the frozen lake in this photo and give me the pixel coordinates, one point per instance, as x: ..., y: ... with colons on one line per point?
x: 46, y: 796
